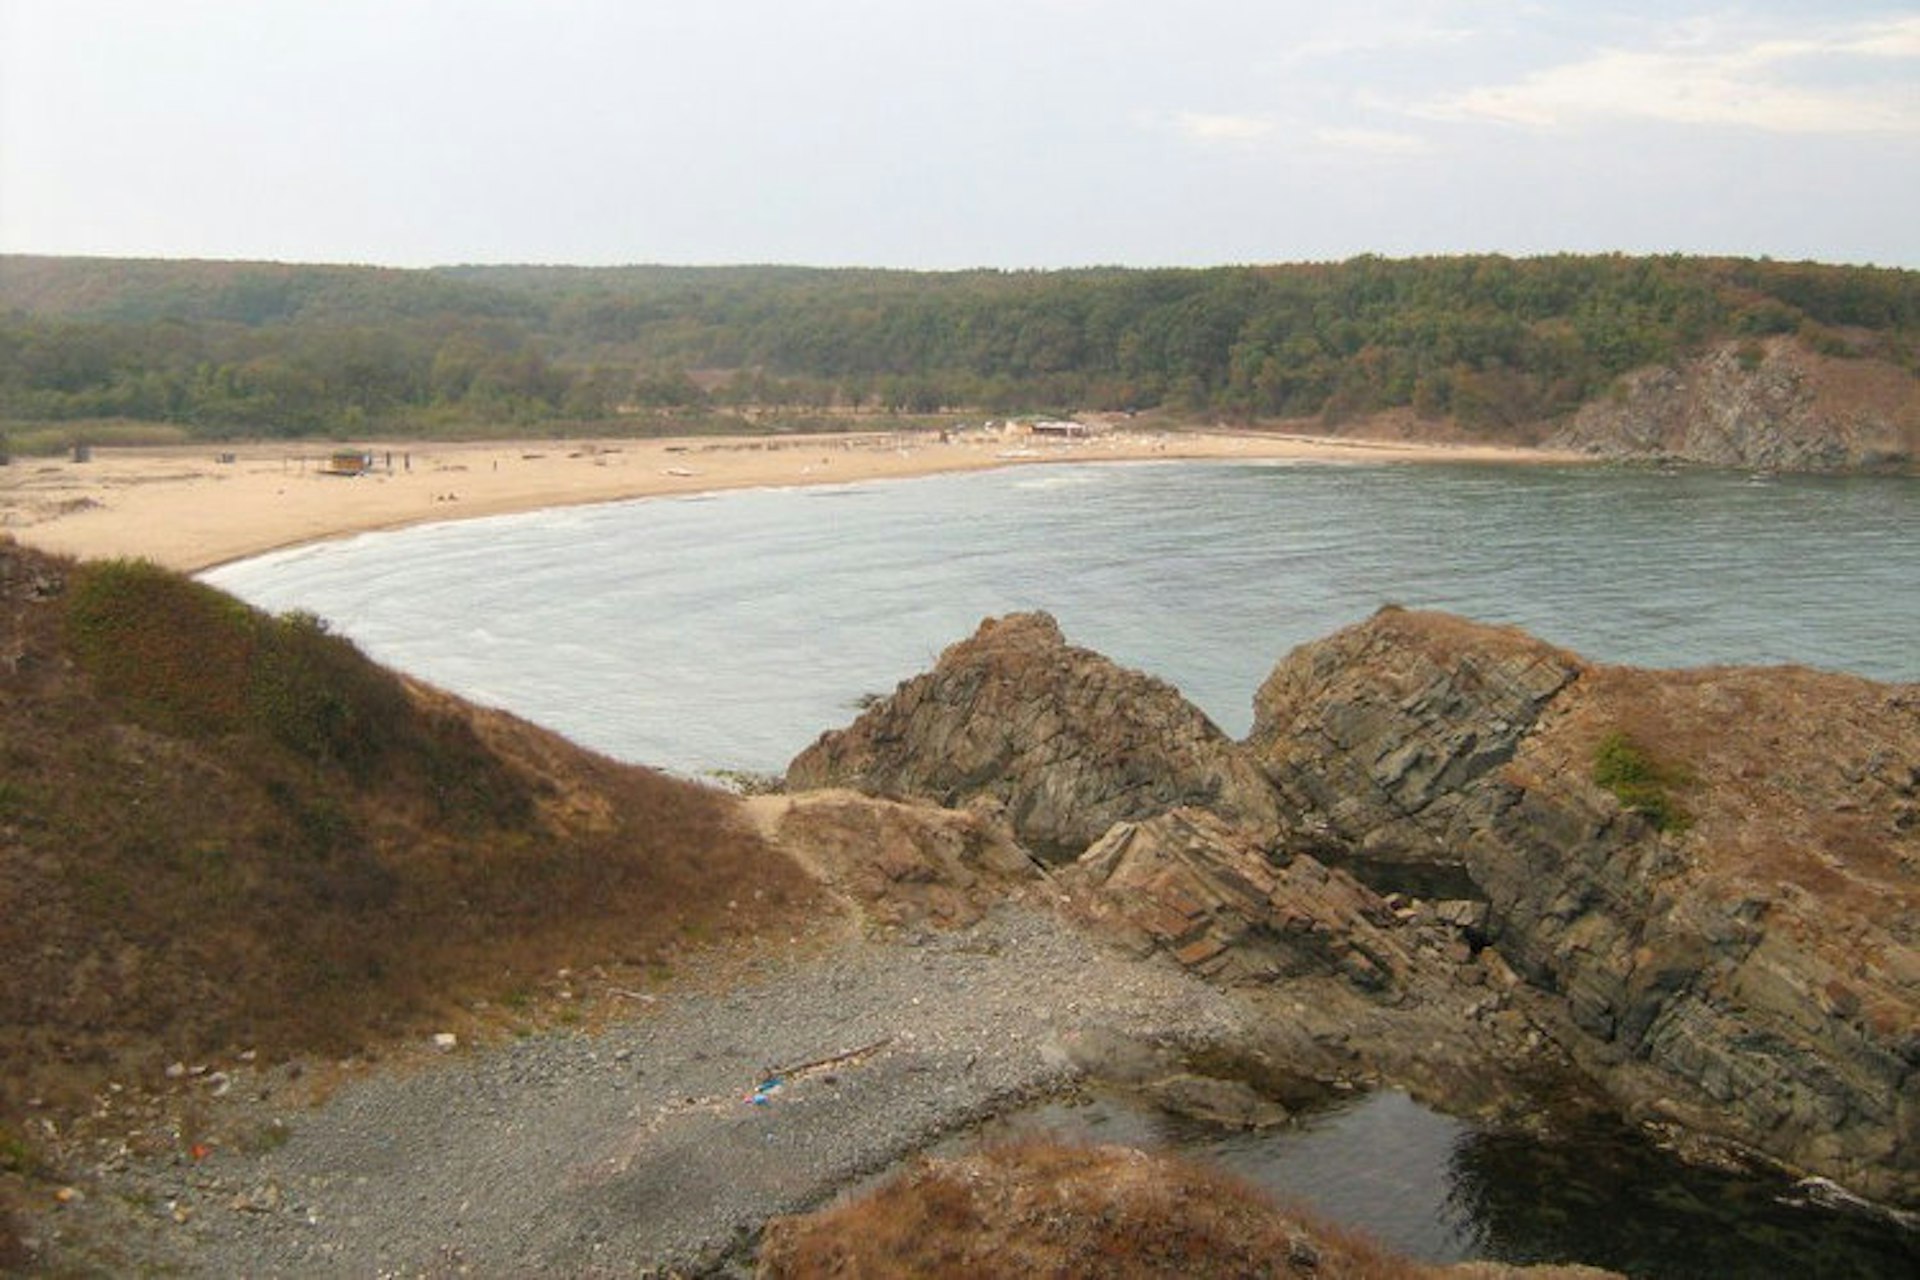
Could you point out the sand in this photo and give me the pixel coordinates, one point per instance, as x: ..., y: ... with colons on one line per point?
x: 191, y: 507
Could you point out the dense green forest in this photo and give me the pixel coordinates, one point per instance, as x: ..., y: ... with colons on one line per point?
x: 1500, y: 345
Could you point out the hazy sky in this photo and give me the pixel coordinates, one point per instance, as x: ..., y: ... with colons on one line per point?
x: 953, y: 133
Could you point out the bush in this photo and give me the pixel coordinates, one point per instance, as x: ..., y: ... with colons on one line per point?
x: 317, y: 695
x: 172, y: 652
x: 1642, y: 784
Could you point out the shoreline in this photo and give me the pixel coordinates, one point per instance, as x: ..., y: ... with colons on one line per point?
x: 195, y: 507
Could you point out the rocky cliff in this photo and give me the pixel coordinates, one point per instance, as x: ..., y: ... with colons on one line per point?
x: 1773, y: 405
x: 1064, y: 741
x: 1701, y: 887
x: 1750, y: 970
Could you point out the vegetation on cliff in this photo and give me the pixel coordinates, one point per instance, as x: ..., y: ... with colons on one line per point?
x: 1639, y: 782
x: 1498, y: 345
x: 223, y: 831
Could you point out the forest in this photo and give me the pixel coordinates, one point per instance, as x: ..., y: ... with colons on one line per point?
x: 1500, y: 346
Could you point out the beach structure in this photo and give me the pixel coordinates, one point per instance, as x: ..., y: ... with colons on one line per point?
x: 347, y: 462
x: 1058, y: 429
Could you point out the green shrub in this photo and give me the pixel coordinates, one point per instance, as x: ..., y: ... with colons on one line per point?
x: 318, y: 696
x: 1642, y: 784
x: 172, y: 652
x: 186, y: 659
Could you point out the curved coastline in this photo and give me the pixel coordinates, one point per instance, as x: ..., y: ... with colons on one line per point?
x: 185, y: 508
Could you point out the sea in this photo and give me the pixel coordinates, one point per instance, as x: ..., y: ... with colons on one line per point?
x: 726, y: 631
x: 723, y: 632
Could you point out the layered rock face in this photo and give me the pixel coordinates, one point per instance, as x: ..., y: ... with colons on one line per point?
x: 1062, y: 739
x: 1419, y: 809
x: 1754, y: 976
x: 1775, y: 405
x: 1225, y: 906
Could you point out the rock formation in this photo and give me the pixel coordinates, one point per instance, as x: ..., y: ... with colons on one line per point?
x: 1722, y: 938
x: 1753, y: 976
x: 1774, y: 405
x: 1219, y: 903
x: 1063, y: 740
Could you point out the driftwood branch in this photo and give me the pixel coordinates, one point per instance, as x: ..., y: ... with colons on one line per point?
x: 832, y: 1059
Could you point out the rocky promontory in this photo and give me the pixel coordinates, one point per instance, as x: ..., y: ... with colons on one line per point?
x: 1774, y: 404
x: 1458, y: 856
x: 1060, y: 740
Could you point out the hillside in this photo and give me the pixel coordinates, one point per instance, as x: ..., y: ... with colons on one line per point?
x: 1449, y: 858
x: 225, y: 832
x: 1488, y: 348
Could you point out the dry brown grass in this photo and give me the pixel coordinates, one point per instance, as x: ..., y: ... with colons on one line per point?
x: 1038, y: 1208
x: 1789, y: 776
x: 222, y: 832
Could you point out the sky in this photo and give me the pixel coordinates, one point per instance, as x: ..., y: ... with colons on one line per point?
x: 940, y: 134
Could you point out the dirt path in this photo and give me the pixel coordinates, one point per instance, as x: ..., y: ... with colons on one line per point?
x: 644, y: 1148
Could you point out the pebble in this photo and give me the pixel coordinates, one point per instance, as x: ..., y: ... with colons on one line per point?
x: 513, y: 1153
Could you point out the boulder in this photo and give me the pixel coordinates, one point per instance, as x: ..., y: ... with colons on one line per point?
x: 899, y: 864
x: 1061, y: 741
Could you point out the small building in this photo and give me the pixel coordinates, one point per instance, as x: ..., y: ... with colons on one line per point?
x: 347, y: 462
x: 1059, y: 429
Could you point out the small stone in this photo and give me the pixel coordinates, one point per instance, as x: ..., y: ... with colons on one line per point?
x: 69, y: 1195
x: 445, y: 1041
x: 1302, y: 1254
x: 175, y: 1070
x: 262, y: 1199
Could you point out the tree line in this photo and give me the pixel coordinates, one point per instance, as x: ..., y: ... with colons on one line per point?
x: 1499, y: 344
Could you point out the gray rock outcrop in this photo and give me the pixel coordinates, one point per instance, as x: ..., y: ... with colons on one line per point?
x: 1753, y: 976
x: 1217, y: 901
x: 1415, y: 842
x: 1061, y: 740
x: 1774, y: 405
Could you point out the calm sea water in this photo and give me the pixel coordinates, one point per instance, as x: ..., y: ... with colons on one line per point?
x: 728, y: 631
x: 1441, y: 1190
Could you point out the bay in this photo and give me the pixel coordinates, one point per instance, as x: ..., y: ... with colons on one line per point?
x: 727, y: 631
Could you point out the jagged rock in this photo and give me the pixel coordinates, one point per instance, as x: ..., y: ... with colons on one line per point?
x: 1751, y: 979
x: 901, y: 863
x: 1754, y: 977
x: 1774, y: 405
x: 1379, y: 731
x: 1064, y: 741
x: 1208, y: 895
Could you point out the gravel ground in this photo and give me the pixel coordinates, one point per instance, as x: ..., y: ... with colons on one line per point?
x: 641, y: 1149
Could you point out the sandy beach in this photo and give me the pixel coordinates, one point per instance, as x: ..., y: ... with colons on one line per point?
x: 191, y: 507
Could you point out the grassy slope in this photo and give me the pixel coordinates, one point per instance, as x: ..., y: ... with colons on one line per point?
x: 1039, y: 1209
x: 223, y: 831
